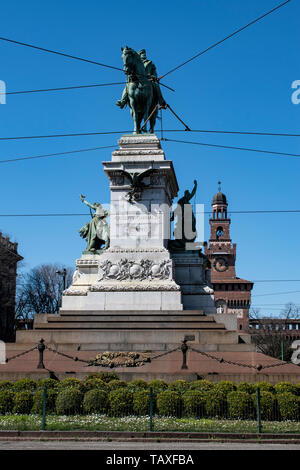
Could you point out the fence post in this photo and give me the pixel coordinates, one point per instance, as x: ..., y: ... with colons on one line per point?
x: 44, y: 409
x: 259, y: 425
x: 151, y: 408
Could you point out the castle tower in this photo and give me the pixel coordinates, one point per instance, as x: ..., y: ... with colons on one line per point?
x: 232, y: 294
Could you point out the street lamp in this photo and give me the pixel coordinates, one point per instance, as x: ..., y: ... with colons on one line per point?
x: 63, y: 274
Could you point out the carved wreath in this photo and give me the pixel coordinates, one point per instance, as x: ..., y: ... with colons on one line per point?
x: 129, y: 269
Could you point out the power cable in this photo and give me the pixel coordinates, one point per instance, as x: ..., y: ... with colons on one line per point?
x: 80, y: 214
x: 209, y: 131
x: 230, y: 147
x: 20, y: 92
x: 277, y: 280
x: 79, y: 134
x: 69, y: 56
x: 59, y: 53
x: 56, y: 154
x: 276, y: 293
x: 225, y: 39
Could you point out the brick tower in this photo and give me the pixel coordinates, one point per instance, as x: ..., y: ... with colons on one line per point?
x: 232, y: 294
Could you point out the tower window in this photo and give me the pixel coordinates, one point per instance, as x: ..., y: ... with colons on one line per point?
x: 219, y: 232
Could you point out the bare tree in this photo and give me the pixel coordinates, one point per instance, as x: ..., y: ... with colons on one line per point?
x: 40, y: 290
x: 269, y: 336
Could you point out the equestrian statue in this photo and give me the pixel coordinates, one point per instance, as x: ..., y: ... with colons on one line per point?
x: 142, y: 92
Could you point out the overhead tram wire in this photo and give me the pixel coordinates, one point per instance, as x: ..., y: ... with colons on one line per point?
x: 43, y: 49
x: 60, y: 53
x: 292, y: 211
x: 79, y: 134
x: 276, y: 293
x: 224, y: 39
x: 42, y: 90
x: 57, y: 154
x: 230, y: 147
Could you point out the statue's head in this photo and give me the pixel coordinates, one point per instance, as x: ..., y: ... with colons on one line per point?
x: 142, y: 54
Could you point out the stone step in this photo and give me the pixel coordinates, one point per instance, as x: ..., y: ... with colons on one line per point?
x: 155, y: 313
x: 105, y: 340
x: 123, y: 325
x: 128, y: 318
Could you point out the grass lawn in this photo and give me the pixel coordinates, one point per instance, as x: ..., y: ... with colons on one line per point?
x: 141, y: 423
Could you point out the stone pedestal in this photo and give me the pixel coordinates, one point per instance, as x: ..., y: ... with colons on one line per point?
x: 137, y: 271
x: 192, y: 275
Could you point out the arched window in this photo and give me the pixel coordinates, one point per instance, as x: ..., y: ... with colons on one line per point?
x: 220, y: 232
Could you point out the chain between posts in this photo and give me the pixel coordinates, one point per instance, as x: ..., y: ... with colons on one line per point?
x: 21, y: 354
x: 221, y: 360
x: 67, y: 355
x: 41, y: 347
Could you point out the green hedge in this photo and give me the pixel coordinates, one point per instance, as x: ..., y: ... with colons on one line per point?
x: 6, y: 401
x: 194, y: 403
x: 202, y: 385
x: 179, y: 386
x: 137, y: 385
x: 6, y: 385
x: 51, y: 397
x: 95, y: 401
x: 158, y: 386
x: 23, y: 402
x: 93, y: 384
x: 70, y: 382
x: 116, y: 384
x: 265, y: 387
x: 246, y: 387
x: 104, y: 393
x: 69, y: 401
x: 25, y: 384
x: 49, y: 383
x: 282, y: 387
x: 225, y: 387
x: 216, y: 404
x: 240, y: 405
x: 169, y: 403
x: 267, y: 405
x: 120, y: 402
x: 141, y: 403
x: 289, y: 406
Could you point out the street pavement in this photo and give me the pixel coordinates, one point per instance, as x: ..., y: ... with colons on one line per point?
x: 158, y: 446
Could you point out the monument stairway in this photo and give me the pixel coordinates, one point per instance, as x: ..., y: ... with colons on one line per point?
x: 132, y: 331
x: 130, y: 320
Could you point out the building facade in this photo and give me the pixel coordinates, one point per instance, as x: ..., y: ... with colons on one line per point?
x: 9, y: 259
x: 232, y: 294
x: 286, y: 327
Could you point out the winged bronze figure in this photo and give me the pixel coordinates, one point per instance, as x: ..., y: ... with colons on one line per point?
x: 136, y: 183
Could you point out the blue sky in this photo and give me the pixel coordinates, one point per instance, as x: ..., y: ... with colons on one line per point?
x: 243, y: 85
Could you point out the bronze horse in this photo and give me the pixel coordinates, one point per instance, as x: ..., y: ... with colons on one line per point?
x: 142, y: 98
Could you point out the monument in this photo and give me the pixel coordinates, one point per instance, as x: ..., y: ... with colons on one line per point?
x: 139, y: 285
